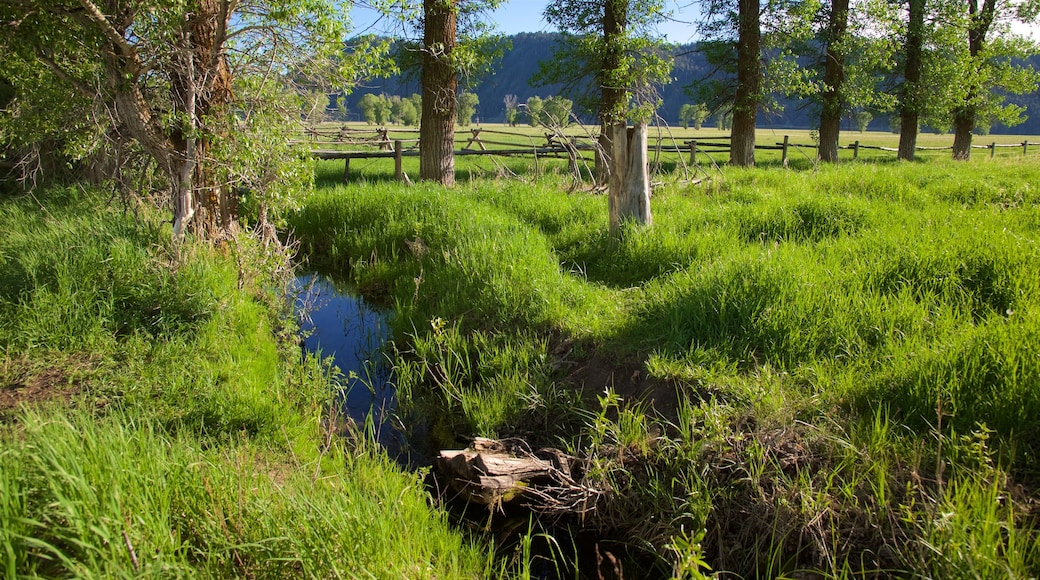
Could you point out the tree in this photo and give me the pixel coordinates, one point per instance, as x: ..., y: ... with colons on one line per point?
x: 512, y: 105
x: 833, y: 109
x: 608, y: 60
x: 749, y: 84
x: 990, y: 72
x: 738, y: 34
x: 466, y: 108
x: 439, y: 84
x: 409, y: 114
x: 912, y: 95
x: 693, y: 114
x: 454, y: 42
x: 556, y: 111
x: 370, y: 108
x: 534, y: 108
x: 863, y: 119
x: 163, y: 74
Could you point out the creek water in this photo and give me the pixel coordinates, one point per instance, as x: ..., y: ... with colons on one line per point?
x: 338, y: 324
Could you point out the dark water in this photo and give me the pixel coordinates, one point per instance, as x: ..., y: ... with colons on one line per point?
x: 342, y: 326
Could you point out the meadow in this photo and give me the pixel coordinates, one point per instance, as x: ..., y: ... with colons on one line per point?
x: 822, y: 370
x: 157, y: 417
x: 828, y: 370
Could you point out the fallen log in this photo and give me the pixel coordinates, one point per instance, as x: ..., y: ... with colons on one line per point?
x: 492, y: 473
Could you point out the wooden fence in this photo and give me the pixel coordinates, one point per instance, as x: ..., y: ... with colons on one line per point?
x: 571, y: 147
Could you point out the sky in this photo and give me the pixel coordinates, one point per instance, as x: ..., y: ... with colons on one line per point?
x: 526, y: 16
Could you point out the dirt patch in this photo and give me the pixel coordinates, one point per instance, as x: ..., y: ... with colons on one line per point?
x: 25, y: 382
x: 594, y: 372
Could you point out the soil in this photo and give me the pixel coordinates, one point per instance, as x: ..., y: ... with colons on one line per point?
x: 595, y: 372
x: 21, y: 383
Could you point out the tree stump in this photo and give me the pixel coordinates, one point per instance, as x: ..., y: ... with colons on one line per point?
x: 489, y: 473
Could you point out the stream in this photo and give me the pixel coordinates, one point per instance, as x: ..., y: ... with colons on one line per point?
x: 352, y: 332
x: 335, y: 323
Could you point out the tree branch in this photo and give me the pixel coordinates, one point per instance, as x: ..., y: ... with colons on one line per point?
x: 108, y: 30
x: 81, y: 87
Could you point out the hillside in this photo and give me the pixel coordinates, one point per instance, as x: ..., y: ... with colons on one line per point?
x: 518, y: 65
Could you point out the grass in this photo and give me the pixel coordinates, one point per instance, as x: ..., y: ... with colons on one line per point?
x: 853, y: 348
x: 499, y: 136
x: 164, y: 422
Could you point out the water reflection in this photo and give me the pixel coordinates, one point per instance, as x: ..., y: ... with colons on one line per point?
x: 342, y: 326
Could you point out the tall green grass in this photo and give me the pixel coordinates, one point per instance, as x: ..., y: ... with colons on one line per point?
x: 178, y: 431
x: 874, y: 313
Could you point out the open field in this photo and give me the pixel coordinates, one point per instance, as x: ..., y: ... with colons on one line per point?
x: 791, y: 373
x: 829, y: 371
x: 801, y: 155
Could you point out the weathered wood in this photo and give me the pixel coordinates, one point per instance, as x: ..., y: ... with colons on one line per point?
x: 489, y: 473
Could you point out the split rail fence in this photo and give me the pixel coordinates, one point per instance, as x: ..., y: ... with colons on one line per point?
x: 489, y: 142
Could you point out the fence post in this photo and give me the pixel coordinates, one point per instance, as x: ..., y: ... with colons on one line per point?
x: 346, y: 169
x: 993, y: 150
x: 855, y: 149
x: 693, y: 152
x: 398, y: 158
x: 783, y: 155
x: 1025, y: 147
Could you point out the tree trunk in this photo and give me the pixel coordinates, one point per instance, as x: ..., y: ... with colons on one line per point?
x: 613, y: 106
x: 439, y: 84
x: 963, y: 125
x: 200, y: 89
x: 965, y: 116
x: 833, y: 78
x: 749, y: 84
x: 630, y: 176
x: 910, y: 100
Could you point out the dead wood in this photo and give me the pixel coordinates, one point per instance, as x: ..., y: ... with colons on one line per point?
x: 492, y: 473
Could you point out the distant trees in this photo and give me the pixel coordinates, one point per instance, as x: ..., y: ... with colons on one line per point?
x: 512, y: 105
x: 466, y: 108
x: 534, y: 108
x: 693, y: 115
x: 556, y: 111
x: 553, y: 111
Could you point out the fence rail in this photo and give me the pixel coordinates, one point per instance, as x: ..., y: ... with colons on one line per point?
x: 552, y: 145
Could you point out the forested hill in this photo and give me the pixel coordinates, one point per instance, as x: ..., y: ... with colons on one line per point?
x: 518, y: 65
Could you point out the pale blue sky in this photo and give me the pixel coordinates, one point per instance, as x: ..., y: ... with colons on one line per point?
x: 526, y: 16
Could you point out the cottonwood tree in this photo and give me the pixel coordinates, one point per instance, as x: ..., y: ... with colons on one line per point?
x: 451, y: 39
x: 848, y: 63
x: 990, y: 71
x: 737, y: 35
x: 608, y: 60
x: 162, y: 77
x: 614, y: 44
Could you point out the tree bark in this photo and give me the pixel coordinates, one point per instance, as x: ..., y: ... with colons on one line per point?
x: 910, y: 99
x: 965, y: 116
x: 439, y: 85
x: 833, y: 78
x: 613, y: 96
x: 629, y: 198
x: 749, y: 84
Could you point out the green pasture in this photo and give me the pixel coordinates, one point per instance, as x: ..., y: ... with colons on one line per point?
x: 853, y: 350
x: 665, y: 163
